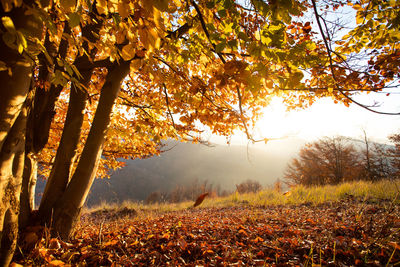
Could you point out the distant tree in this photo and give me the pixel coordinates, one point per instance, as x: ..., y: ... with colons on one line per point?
x: 326, y: 161
x: 395, y: 154
x: 248, y: 186
x: 156, y: 197
x: 374, y: 160
x: 190, y: 192
x: 278, y: 185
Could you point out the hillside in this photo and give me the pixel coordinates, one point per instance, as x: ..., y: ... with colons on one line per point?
x: 183, y: 163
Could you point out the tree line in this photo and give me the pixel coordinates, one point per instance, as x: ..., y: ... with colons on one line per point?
x: 332, y: 160
x: 190, y: 192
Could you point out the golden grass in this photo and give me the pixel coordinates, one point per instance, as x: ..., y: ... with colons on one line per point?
x: 363, y: 190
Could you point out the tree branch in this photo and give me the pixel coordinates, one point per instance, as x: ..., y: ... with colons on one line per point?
x: 328, y: 50
x: 203, y: 25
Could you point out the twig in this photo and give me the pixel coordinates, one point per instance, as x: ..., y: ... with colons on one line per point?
x: 167, y: 102
x: 328, y: 50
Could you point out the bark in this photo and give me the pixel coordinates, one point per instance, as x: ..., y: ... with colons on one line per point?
x: 60, y: 172
x: 14, y: 87
x: 11, y: 169
x: 13, y: 92
x: 43, y: 114
x: 67, y: 209
x: 40, y: 116
x: 15, y: 83
x: 27, y: 197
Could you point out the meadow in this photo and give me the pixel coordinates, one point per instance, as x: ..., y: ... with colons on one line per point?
x: 351, y: 224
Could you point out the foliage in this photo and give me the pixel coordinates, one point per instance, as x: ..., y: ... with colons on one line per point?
x: 326, y: 161
x: 186, y: 69
x: 339, y: 159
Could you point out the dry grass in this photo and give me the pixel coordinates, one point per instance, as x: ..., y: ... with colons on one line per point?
x: 361, y: 190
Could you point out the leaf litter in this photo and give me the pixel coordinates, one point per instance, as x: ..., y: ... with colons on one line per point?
x: 347, y: 233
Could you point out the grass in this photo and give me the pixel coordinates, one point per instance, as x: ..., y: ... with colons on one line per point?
x: 362, y: 190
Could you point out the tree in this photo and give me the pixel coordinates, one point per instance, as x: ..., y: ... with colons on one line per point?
x: 374, y: 160
x: 87, y: 82
x: 248, y: 186
x: 394, y: 154
x: 326, y: 161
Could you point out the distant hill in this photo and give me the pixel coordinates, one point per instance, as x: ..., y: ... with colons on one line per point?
x: 185, y: 162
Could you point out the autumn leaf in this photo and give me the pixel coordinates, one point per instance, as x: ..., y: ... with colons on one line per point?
x: 200, y: 199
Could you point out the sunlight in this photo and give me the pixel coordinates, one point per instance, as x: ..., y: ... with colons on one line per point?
x: 324, y: 118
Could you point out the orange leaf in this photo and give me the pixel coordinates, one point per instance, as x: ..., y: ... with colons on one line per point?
x: 56, y: 263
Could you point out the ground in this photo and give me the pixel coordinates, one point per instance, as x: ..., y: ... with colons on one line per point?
x: 351, y: 232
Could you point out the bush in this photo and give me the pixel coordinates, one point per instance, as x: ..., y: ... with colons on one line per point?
x: 248, y: 186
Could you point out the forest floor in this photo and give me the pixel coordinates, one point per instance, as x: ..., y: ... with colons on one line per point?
x: 352, y: 232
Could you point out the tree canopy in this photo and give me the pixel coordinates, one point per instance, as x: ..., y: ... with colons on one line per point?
x: 212, y: 63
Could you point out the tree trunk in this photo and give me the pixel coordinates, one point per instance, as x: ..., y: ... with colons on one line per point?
x: 13, y: 92
x: 11, y: 169
x: 27, y: 197
x: 15, y: 83
x: 67, y: 209
x: 60, y: 172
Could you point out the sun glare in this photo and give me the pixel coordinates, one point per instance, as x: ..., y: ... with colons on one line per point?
x: 324, y: 118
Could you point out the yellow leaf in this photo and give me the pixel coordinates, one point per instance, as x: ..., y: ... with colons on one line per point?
x: 148, y: 5
x: 111, y: 243
x: 112, y: 6
x: 359, y: 18
x: 149, y: 39
x: 8, y: 24
x: 102, y: 6
x: 166, y: 236
x: 56, y: 263
x: 136, y: 64
x: 128, y: 52
x: 154, y: 39
x: 158, y: 19
x: 161, y: 5
x: 123, y: 9
x: 68, y: 5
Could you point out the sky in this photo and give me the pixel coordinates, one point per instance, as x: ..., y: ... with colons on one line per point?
x: 325, y: 118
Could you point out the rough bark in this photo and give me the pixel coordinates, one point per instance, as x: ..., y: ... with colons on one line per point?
x: 11, y: 169
x: 14, y: 87
x: 67, y: 209
x: 60, y: 172
x: 43, y: 114
x: 15, y: 83
x: 13, y: 92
